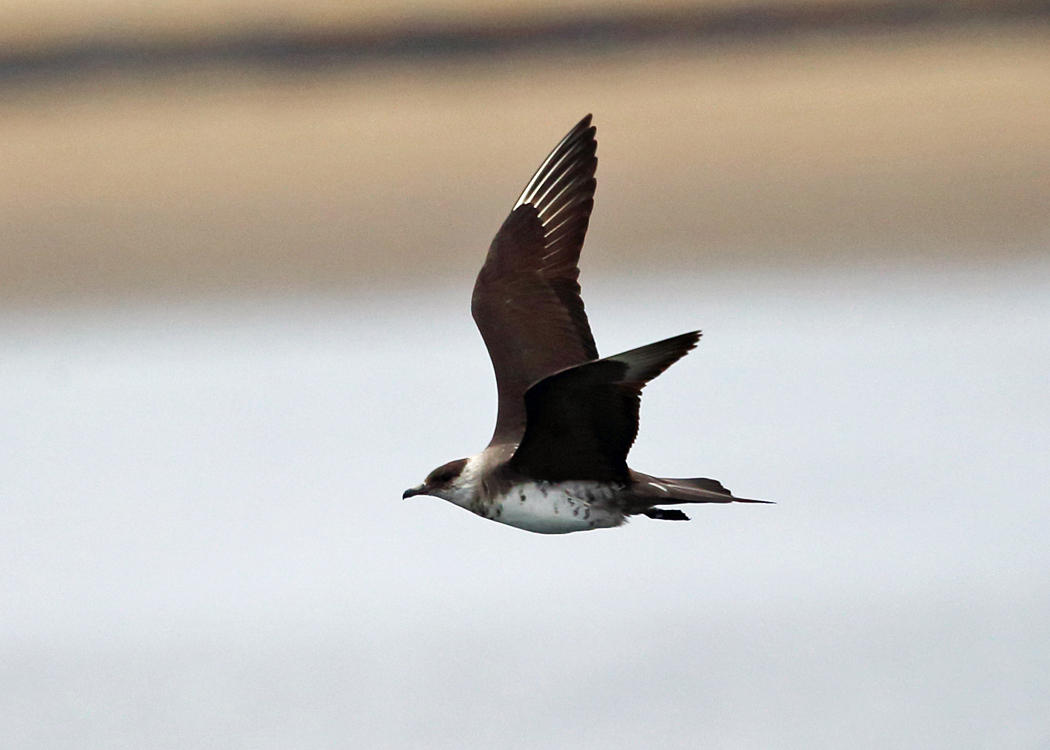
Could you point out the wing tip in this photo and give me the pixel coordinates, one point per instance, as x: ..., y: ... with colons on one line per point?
x: 577, y: 152
x: 686, y: 341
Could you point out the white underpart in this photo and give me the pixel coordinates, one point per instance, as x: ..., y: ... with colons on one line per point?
x: 558, y: 508
x: 543, y: 507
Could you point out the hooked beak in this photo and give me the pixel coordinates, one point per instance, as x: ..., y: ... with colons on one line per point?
x: 412, y: 492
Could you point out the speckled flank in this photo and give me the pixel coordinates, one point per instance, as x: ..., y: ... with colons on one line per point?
x: 555, y: 508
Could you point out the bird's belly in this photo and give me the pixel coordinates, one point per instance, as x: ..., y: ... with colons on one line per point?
x: 556, y: 508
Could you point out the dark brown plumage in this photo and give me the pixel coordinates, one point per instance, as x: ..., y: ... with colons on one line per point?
x: 582, y: 421
x: 526, y: 300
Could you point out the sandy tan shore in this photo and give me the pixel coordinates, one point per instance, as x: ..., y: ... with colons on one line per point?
x: 879, y: 149
x: 36, y: 24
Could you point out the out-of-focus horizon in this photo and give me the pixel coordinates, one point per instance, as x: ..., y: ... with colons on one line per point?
x: 783, y: 135
x: 237, y: 242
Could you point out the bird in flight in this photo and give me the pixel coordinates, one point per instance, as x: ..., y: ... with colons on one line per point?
x: 566, y: 419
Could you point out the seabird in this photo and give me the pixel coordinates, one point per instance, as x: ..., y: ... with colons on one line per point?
x: 566, y: 419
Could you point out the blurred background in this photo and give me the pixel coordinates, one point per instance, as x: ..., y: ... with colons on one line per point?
x: 237, y: 243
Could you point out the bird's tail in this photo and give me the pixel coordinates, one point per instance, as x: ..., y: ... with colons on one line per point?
x: 653, y: 491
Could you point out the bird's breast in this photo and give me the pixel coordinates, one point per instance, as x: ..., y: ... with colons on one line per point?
x: 556, y: 507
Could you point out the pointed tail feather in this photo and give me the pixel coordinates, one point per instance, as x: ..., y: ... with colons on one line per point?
x: 700, y: 490
x: 653, y: 491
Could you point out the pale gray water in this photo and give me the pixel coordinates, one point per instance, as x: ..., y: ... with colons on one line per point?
x: 203, y: 543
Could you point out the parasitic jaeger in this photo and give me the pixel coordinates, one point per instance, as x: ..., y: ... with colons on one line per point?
x: 557, y: 461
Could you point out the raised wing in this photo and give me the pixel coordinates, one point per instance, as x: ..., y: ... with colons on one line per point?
x: 526, y: 300
x: 582, y: 421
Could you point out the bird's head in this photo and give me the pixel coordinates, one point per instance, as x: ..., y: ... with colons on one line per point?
x: 446, y: 481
